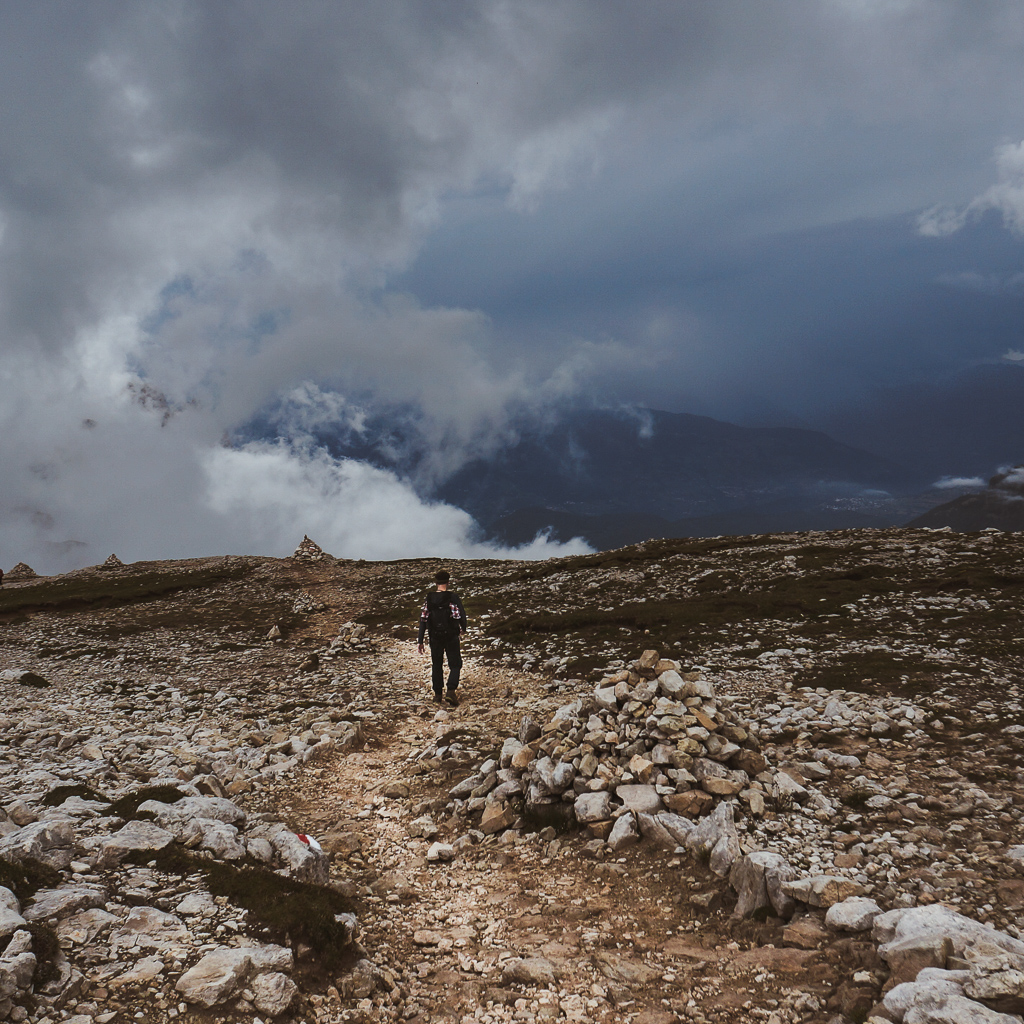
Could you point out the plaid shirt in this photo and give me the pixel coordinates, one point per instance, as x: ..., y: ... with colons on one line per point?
x: 458, y: 613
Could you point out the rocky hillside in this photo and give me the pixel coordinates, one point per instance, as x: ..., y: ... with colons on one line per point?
x: 770, y: 778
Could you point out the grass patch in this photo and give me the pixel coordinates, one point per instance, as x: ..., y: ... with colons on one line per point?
x: 686, y: 621
x: 128, y: 805
x: 874, y: 672
x: 285, y: 910
x: 149, y: 580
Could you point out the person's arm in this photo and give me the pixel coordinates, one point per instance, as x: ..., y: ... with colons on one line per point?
x: 462, y: 615
x: 423, y: 627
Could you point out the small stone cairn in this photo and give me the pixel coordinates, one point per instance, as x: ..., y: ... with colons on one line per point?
x: 20, y: 573
x: 309, y: 551
x: 112, y: 562
x: 652, y: 748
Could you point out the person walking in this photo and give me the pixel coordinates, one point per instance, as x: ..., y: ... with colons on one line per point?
x: 443, y: 619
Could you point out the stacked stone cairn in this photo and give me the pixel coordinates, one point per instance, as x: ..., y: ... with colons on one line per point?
x: 309, y: 551
x: 650, y: 753
x: 20, y: 573
x: 112, y: 562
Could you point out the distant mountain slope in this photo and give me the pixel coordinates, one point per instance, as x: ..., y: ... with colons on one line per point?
x: 1001, y: 506
x: 670, y: 465
x: 616, y: 530
x: 964, y: 426
x: 618, y: 477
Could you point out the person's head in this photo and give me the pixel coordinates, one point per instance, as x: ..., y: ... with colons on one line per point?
x: 441, y: 578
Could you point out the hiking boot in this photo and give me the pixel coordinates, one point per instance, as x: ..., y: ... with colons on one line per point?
x: 437, y: 696
x: 451, y: 698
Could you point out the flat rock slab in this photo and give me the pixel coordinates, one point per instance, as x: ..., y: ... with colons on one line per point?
x: 533, y: 970
x: 81, y: 929
x: 136, y: 836
x: 57, y: 904
x: 625, y: 971
x: 43, y: 842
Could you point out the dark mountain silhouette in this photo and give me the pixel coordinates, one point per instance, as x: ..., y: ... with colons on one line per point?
x: 671, y: 465
x: 617, y: 477
x: 1001, y: 506
x: 963, y: 426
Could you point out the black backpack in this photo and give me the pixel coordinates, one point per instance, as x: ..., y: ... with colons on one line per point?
x: 439, y: 614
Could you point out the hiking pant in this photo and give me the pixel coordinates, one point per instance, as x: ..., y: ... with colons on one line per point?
x: 445, y: 645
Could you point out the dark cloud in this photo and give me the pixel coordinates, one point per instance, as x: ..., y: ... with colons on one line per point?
x: 471, y: 211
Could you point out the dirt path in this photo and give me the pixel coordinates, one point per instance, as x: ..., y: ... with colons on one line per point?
x: 642, y: 938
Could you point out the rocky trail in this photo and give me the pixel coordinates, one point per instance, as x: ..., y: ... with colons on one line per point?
x: 743, y: 779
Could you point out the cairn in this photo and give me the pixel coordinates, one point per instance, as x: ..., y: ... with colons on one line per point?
x: 113, y: 562
x: 20, y: 573
x: 308, y: 551
x: 652, y: 748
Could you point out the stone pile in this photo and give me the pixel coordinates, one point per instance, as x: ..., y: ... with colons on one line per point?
x: 20, y: 573
x: 352, y: 636
x: 112, y: 562
x: 650, y: 741
x: 309, y: 551
x: 306, y: 604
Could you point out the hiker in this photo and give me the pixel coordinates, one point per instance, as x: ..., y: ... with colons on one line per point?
x: 444, y: 619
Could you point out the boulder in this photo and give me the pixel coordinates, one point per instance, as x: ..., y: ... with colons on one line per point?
x: 533, y: 970
x: 81, y: 929
x: 300, y: 860
x: 212, y: 807
x: 51, y: 843
x: 639, y: 798
x: 996, y: 977
x: 909, y: 956
x: 135, y: 836
x: 590, y: 807
x: 693, y: 803
x: 54, y: 905
x: 216, y: 978
x: 903, y: 923
x: 509, y: 749
x: 822, y: 890
x: 149, y: 928
x: 854, y: 914
x: 497, y: 818
x: 711, y: 830
x: 10, y: 922
x: 273, y: 993
x: 931, y: 990
x: 624, y: 833
x: 757, y: 879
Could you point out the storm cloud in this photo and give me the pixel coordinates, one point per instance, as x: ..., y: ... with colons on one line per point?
x: 473, y: 211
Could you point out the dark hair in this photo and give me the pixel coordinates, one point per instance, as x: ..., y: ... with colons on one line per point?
x: 441, y: 576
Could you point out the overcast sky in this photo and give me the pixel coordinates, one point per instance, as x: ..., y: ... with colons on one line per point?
x: 474, y: 211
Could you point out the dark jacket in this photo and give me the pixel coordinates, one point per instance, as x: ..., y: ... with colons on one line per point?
x: 455, y: 611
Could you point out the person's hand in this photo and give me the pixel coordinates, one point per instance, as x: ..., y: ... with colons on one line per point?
x: 420, y: 648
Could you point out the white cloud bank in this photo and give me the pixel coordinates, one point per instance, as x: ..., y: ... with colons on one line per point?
x: 954, y: 482
x: 1006, y: 196
x: 106, y: 472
